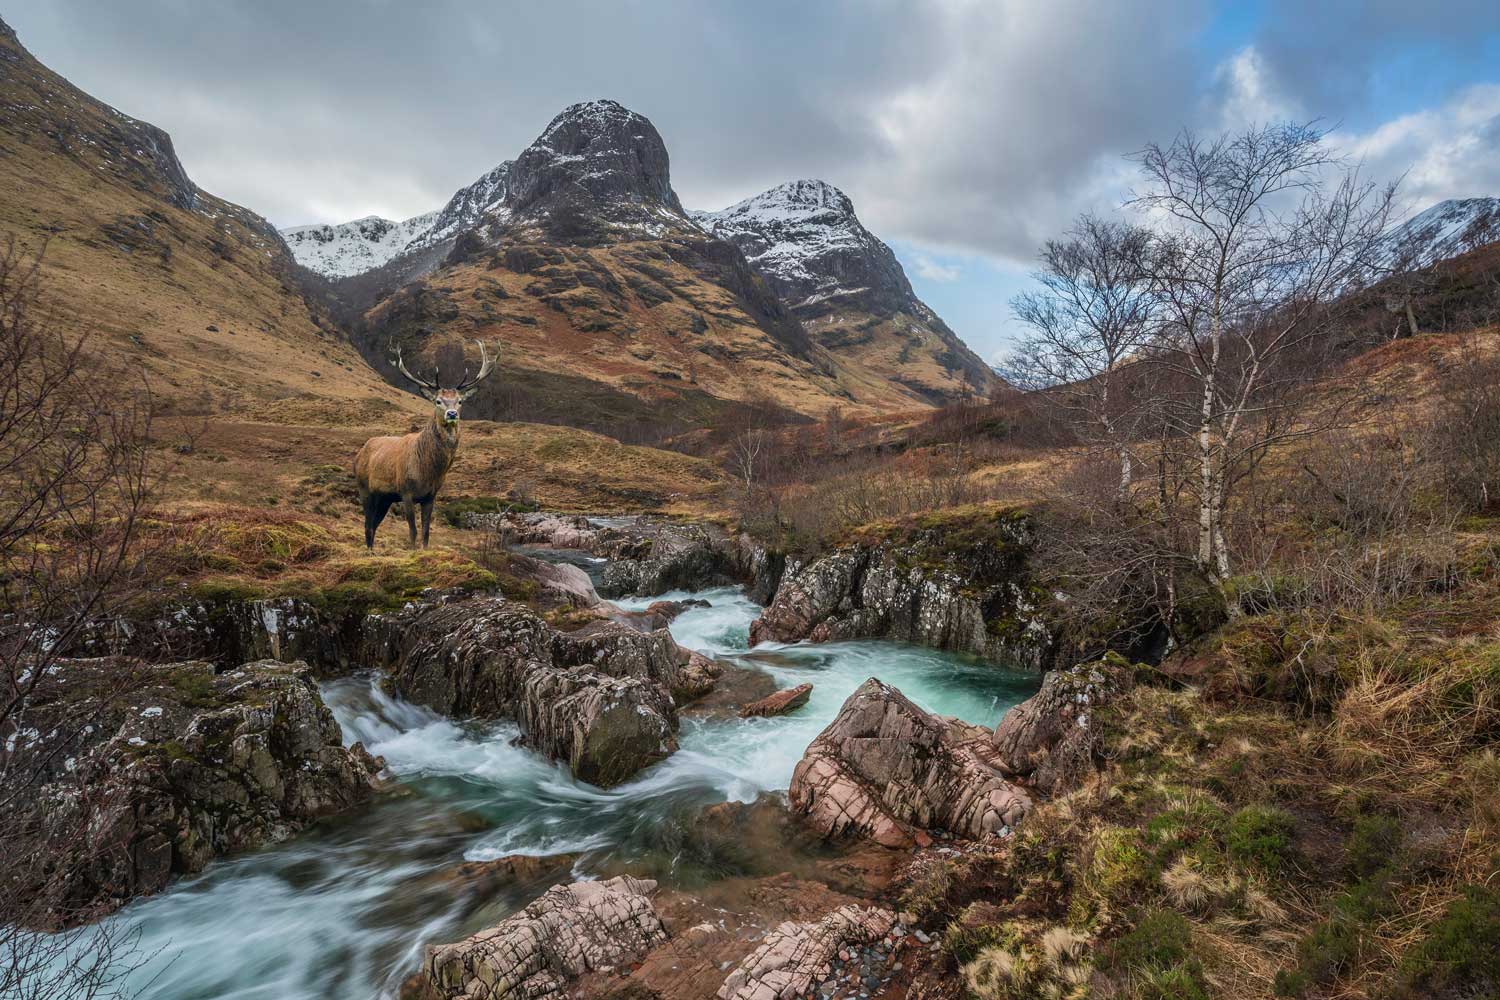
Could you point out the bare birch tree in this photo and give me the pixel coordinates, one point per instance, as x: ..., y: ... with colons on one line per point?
x: 1090, y: 318
x: 1258, y: 234
x: 73, y: 462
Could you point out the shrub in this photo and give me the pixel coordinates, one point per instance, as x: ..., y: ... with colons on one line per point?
x: 1260, y: 837
x: 1462, y: 948
x: 1373, y: 845
x: 1326, y: 951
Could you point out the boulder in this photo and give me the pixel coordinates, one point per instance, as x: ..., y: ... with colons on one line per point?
x: 678, y: 557
x: 779, y: 703
x: 600, y: 698
x: 606, y: 728
x: 1049, y: 740
x: 796, y: 955
x: 571, y: 930
x: 184, y: 766
x: 888, y: 771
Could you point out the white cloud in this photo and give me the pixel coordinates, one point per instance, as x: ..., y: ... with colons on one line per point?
x: 934, y: 271
x: 1448, y: 151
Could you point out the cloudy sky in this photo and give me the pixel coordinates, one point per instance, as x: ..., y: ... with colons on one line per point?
x: 966, y: 131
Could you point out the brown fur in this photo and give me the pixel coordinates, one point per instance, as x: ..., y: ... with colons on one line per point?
x: 409, y: 468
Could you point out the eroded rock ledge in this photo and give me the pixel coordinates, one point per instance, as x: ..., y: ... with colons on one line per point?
x: 571, y: 930
x: 189, y: 766
x: 886, y: 770
x: 963, y: 587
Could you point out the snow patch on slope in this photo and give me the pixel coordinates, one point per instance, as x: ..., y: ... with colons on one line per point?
x: 353, y: 247
x: 795, y: 234
x: 1445, y: 230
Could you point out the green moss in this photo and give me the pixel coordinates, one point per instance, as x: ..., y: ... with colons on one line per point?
x: 1120, y: 866
x: 1260, y: 837
x: 1462, y: 948
x: 1325, y: 952
x: 1373, y: 845
x: 221, y: 591
x: 1160, y: 939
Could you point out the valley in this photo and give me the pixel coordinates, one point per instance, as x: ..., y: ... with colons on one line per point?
x: 771, y: 643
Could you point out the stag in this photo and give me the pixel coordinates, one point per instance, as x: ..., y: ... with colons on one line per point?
x: 411, y: 468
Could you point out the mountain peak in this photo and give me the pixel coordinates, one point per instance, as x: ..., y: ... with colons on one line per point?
x: 1445, y: 230
x: 803, y: 196
x: 599, y: 157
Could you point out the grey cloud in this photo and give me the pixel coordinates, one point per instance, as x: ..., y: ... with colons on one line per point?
x: 962, y: 125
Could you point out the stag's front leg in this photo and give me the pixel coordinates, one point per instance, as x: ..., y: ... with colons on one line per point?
x: 426, y: 520
x: 411, y: 520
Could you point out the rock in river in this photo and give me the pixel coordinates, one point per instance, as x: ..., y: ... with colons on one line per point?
x: 188, y: 765
x: 886, y: 770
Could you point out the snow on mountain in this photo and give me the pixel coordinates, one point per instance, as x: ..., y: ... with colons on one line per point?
x: 804, y: 237
x: 1445, y: 230
x: 353, y: 247
x: 468, y: 206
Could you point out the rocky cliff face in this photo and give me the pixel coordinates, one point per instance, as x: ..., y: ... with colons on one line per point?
x: 962, y: 587
x: 598, y: 158
x: 192, y: 765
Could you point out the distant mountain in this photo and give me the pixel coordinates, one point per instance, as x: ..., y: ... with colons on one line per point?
x: 354, y: 247
x: 1445, y: 230
x: 578, y: 256
x: 846, y: 286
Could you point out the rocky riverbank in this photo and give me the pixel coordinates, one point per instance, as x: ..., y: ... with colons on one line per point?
x: 187, y: 766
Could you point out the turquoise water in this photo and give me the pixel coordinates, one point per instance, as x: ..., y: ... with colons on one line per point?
x: 344, y: 910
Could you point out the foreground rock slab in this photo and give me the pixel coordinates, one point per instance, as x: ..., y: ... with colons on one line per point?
x: 188, y: 766
x: 571, y: 930
x: 886, y: 770
x: 796, y: 956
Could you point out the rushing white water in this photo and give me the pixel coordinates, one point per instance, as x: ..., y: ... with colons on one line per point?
x: 343, y: 910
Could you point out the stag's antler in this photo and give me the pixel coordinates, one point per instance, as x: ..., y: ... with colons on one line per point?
x: 486, y: 364
x: 401, y: 367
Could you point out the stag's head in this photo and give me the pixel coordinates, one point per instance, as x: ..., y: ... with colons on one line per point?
x: 446, y: 402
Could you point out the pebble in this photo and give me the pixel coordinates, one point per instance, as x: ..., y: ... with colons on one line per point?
x: 922, y: 937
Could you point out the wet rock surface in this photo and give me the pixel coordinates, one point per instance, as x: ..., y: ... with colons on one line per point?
x: 571, y: 930
x: 600, y: 698
x: 188, y: 766
x: 779, y: 703
x: 886, y: 770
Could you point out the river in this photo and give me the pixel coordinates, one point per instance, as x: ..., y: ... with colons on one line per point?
x: 343, y: 910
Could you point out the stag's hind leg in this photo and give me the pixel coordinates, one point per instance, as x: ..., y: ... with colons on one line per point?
x: 376, y: 506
